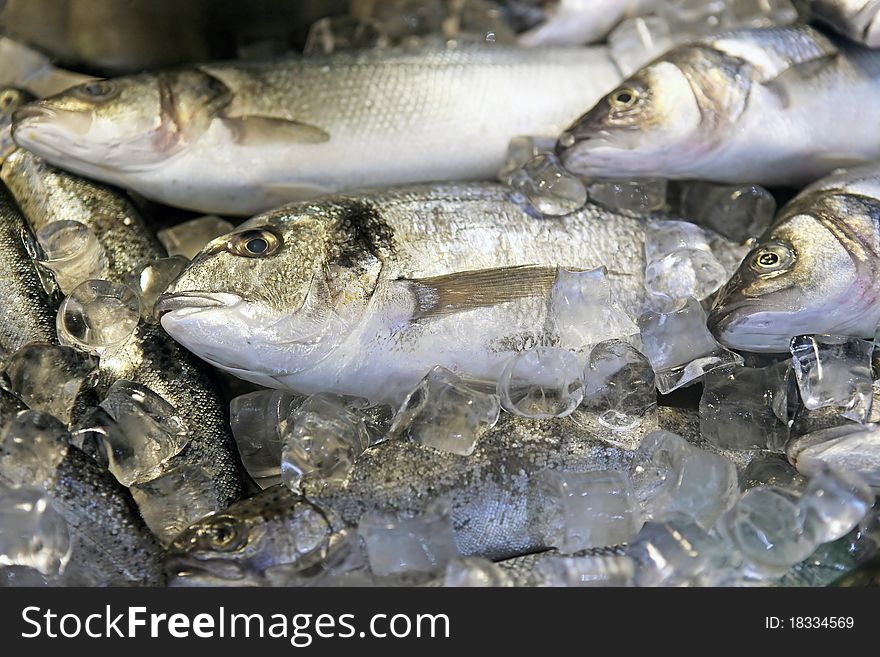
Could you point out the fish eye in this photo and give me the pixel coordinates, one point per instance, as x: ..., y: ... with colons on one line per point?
x: 224, y: 535
x: 257, y: 243
x: 772, y: 259
x: 625, y: 98
x: 96, y: 90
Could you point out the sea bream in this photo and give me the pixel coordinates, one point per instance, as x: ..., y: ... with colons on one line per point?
x: 244, y: 137
x: 815, y: 270
x: 363, y: 294
x: 776, y: 106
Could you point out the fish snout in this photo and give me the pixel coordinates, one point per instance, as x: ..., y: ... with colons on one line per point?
x: 171, y: 301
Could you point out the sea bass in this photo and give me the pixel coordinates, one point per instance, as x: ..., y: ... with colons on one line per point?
x: 857, y: 19
x: 364, y: 294
x: 776, y: 106
x: 815, y: 270
x: 244, y: 137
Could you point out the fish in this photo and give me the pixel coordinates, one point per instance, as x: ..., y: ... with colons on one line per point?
x: 498, y: 508
x: 148, y: 356
x: 857, y: 19
x: 11, y: 98
x: 46, y: 194
x: 363, y: 294
x: 110, y: 544
x: 814, y: 271
x: 244, y: 137
x: 776, y: 106
x: 575, y: 22
x: 28, y: 302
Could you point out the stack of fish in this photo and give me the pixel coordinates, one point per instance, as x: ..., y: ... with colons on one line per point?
x: 513, y: 306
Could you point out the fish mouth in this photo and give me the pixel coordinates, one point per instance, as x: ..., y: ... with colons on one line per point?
x: 185, y: 569
x: 193, y: 301
x: 28, y: 112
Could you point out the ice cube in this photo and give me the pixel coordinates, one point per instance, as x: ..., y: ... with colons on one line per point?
x: 321, y: 441
x: 32, y: 532
x: 738, y: 212
x: 344, y: 563
x: 680, y: 347
x: 767, y: 526
x: 97, y: 315
x: 478, y: 22
x: 545, y: 186
x: 669, y: 476
x: 444, y: 413
x: 335, y: 33
x: 91, y: 432
x: 618, y: 385
x: 834, y: 502
x: 636, y: 41
x: 32, y: 445
x: 738, y: 409
x: 639, y: 196
x: 421, y: 544
x: 257, y: 420
x: 589, y: 509
x: 542, y: 382
x: 612, y: 570
x: 475, y: 572
x: 151, y: 432
x: 175, y: 499
x: 678, y: 552
x: 853, y: 448
x: 153, y: 280
x: 188, y: 238
x: 666, y: 236
x: 772, y: 470
x: 522, y: 149
x: 403, y: 19
x: 834, y: 371
x: 583, y: 311
x: 72, y: 252
x: 682, y: 274
x: 49, y: 377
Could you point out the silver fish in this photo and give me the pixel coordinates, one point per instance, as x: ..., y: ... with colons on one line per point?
x: 498, y: 509
x: 28, y: 310
x: 857, y: 19
x: 241, y: 138
x: 364, y: 294
x: 576, y: 22
x: 815, y: 270
x: 777, y: 106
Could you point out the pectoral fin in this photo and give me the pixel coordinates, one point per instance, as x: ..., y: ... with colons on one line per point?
x: 251, y: 130
x: 439, y: 296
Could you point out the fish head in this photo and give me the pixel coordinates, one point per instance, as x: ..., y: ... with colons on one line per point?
x: 272, y: 298
x: 129, y: 123
x: 275, y: 527
x: 660, y: 120
x: 812, y: 272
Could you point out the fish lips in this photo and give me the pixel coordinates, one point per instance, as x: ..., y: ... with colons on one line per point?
x: 192, y: 302
x: 186, y: 570
x: 733, y: 328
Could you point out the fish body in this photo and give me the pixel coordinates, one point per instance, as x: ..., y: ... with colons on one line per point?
x: 775, y: 106
x: 148, y: 356
x: 46, y: 194
x: 857, y: 19
x: 246, y: 137
x: 498, y: 505
x: 28, y: 310
x: 363, y: 294
x: 814, y: 271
